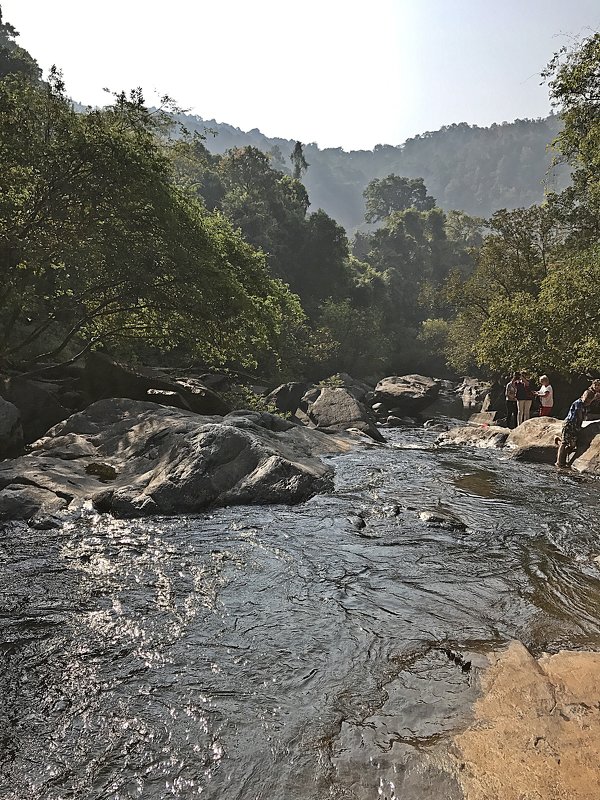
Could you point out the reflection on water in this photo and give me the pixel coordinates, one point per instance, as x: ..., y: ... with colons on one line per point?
x: 480, y: 482
x: 278, y: 652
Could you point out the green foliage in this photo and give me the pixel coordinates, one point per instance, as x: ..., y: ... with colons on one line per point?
x: 241, y: 396
x: 359, y: 344
x: 569, y: 303
x: 410, y: 256
x: 512, y: 333
x: 98, y: 244
x: 14, y: 60
x: 533, y: 298
x: 332, y: 382
x: 308, y: 252
x: 394, y: 193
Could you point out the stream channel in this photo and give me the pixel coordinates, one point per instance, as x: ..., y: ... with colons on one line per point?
x: 286, y: 653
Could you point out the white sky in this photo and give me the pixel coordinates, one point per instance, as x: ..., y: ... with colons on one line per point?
x: 342, y: 73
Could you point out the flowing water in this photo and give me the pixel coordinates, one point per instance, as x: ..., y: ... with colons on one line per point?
x: 277, y: 653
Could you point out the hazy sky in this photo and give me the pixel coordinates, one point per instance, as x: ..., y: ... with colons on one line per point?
x: 342, y: 73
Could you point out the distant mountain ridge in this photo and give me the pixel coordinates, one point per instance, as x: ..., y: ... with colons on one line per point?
x: 465, y: 167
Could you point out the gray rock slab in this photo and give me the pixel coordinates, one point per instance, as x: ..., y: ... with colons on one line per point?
x: 134, y: 458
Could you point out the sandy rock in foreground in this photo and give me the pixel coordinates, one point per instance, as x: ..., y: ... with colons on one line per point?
x: 536, y: 733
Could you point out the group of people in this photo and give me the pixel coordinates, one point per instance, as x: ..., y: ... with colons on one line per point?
x: 520, y: 394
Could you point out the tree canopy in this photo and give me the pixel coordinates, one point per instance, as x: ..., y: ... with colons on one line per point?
x: 100, y: 246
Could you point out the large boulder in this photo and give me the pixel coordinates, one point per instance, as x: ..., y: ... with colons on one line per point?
x: 286, y: 398
x: 357, y: 388
x: 534, y: 440
x: 11, y: 431
x: 38, y: 405
x: 407, y: 394
x: 135, y: 458
x: 338, y: 410
x: 103, y: 378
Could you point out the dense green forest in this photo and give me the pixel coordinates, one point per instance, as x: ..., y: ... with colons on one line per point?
x: 122, y: 229
x: 472, y: 169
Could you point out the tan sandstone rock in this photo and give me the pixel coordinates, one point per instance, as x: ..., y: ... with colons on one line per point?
x: 536, y: 733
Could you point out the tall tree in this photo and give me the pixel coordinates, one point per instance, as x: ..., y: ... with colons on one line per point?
x: 384, y: 196
x: 299, y: 163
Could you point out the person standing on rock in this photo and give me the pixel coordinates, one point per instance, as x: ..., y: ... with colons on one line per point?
x: 546, y: 395
x: 567, y: 441
x: 510, y: 397
x: 524, y: 397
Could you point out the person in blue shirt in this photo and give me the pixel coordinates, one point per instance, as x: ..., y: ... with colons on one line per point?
x: 567, y: 442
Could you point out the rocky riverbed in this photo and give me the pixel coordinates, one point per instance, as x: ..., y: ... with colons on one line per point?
x: 302, y: 651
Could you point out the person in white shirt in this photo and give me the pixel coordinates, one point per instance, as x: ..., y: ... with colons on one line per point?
x: 546, y: 396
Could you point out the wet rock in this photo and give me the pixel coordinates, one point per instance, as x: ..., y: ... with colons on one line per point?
x: 104, y: 472
x: 160, y: 459
x: 443, y: 518
x: 357, y: 521
x: 484, y: 418
x: 437, y: 425
x: 167, y: 398
x: 587, y: 458
x: 360, y: 390
x: 475, y: 436
x: 309, y: 397
x: 103, y: 378
x: 394, y: 422
x: 25, y: 501
x: 45, y: 522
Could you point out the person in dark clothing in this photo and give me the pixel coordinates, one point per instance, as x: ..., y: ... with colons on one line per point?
x: 567, y: 441
x: 510, y: 397
x: 525, y: 396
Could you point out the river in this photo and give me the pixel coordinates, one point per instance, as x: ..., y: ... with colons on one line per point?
x: 286, y: 653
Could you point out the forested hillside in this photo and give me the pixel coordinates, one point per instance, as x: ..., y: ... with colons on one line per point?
x: 472, y: 169
x: 122, y: 231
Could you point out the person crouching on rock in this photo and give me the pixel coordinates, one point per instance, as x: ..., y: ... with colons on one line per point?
x: 567, y: 441
x: 546, y: 396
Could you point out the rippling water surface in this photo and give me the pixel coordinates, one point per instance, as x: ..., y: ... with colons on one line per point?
x: 286, y: 653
